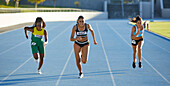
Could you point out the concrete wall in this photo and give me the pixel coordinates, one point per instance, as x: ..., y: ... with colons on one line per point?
x: 130, y: 10
x: 157, y: 9
x: 166, y: 13
x: 146, y: 8
x: 158, y: 5
x: 18, y: 18
x: 166, y: 3
x: 166, y: 9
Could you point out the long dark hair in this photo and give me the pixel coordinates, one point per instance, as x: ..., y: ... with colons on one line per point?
x: 39, y: 19
x: 138, y: 18
x: 80, y: 17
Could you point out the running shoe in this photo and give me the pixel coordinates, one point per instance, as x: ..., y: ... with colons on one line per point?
x: 39, y: 72
x: 81, y: 75
x: 140, y: 65
x: 36, y: 60
x: 134, y: 65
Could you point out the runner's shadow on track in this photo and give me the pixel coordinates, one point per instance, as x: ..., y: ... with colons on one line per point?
x: 34, y: 77
x: 107, y: 72
x: 69, y: 76
x: 20, y: 74
x: 95, y: 73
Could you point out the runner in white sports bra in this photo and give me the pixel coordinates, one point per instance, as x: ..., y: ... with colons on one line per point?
x: 81, y: 45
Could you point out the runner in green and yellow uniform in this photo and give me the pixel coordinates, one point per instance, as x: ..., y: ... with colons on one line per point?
x: 37, y: 43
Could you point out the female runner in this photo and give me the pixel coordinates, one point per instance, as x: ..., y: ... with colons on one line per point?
x: 137, y: 39
x: 37, y: 43
x: 81, y: 43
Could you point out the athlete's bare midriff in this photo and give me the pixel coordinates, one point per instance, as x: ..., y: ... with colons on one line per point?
x: 83, y: 39
x: 137, y: 38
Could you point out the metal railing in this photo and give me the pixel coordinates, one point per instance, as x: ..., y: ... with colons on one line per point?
x: 21, y: 10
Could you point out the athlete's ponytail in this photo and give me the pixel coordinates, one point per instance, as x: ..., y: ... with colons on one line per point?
x: 138, y: 18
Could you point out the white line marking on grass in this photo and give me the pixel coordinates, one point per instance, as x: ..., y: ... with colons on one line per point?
x: 113, y: 81
x: 61, y: 74
x: 142, y: 56
x: 31, y: 57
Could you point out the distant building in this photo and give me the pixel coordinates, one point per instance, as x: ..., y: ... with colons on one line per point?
x: 118, y: 8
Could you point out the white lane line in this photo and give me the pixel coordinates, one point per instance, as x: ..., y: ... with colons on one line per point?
x: 15, y: 70
x: 31, y: 57
x: 20, y: 44
x: 158, y: 46
x: 61, y: 74
x: 14, y: 30
x: 111, y: 74
x: 13, y: 47
x: 9, y: 31
x: 142, y: 56
x: 54, y: 27
x: 156, y: 71
x: 61, y: 32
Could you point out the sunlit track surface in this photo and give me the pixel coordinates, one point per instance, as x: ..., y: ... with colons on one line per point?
x: 109, y: 62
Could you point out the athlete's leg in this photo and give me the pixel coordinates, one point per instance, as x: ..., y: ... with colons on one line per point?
x: 134, y: 53
x: 85, y: 52
x: 140, y: 44
x: 41, y: 50
x: 35, y: 51
x: 35, y: 55
x: 134, y: 56
x: 77, y: 49
x: 41, y: 61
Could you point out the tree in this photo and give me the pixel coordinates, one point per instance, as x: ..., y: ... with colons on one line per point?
x: 77, y: 3
x: 16, y: 3
x: 36, y: 2
x: 7, y: 2
x: 54, y: 1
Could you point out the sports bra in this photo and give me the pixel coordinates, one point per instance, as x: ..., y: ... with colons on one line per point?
x: 82, y: 33
x: 37, y: 33
x: 141, y: 31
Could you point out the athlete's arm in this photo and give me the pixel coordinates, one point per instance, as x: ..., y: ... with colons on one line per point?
x: 130, y: 19
x: 31, y: 29
x: 44, y: 25
x: 132, y: 32
x: 147, y: 24
x: 72, y: 35
x: 46, y: 38
x: 92, y: 32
